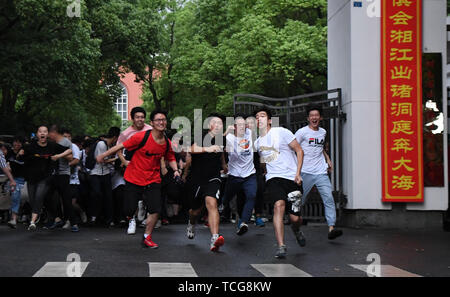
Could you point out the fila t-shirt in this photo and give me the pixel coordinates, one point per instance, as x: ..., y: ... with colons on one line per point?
x: 274, y: 150
x: 145, y: 166
x: 240, y: 155
x: 312, y: 143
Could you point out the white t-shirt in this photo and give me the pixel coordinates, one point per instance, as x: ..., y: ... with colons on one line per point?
x: 240, y: 155
x: 312, y: 143
x: 76, y: 153
x: 274, y: 150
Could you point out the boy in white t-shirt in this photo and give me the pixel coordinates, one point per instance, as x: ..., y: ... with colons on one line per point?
x: 283, y: 158
x: 316, y: 164
x: 241, y: 170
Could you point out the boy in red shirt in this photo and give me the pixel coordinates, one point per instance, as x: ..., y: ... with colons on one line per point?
x: 142, y: 175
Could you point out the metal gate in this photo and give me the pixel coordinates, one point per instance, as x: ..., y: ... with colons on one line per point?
x: 291, y: 113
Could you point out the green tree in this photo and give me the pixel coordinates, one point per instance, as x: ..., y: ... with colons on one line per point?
x: 61, y: 69
x: 270, y: 47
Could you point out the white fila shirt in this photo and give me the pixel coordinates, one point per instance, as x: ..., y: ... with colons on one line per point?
x: 312, y: 143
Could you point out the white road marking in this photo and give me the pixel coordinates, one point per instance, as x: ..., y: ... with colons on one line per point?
x: 280, y: 270
x: 386, y: 271
x: 62, y: 269
x: 158, y: 269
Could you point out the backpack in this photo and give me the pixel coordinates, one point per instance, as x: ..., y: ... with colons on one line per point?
x: 129, y: 154
x: 90, y: 157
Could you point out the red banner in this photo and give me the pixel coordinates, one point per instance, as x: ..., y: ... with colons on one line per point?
x: 401, y: 101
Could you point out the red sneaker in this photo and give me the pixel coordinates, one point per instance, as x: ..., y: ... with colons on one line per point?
x: 148, y: 242
x: 216, y: 244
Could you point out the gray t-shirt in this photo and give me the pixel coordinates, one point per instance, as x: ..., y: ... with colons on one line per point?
x: 100, y: 169
x: 63, y: 163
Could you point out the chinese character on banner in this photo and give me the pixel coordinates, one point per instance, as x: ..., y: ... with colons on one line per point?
x: 401, y: 101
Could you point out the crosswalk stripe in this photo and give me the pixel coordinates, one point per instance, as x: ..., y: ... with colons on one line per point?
x: 386, y: 271
x: 62, y: 269
x: 158, y: 269
x: 280, y: 270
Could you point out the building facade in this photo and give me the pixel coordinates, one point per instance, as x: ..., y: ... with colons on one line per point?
x: 354, y: 65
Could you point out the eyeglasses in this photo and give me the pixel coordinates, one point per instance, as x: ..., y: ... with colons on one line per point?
x: 160, y: 120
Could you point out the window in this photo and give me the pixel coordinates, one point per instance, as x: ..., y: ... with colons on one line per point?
x: 122, y: 106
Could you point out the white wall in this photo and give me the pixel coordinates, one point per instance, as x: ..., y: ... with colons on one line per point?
x: 354, y: 65
x: 434, y: 15
x: 339, y: 73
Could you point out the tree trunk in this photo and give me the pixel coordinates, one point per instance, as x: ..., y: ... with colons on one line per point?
x: 152, y: 88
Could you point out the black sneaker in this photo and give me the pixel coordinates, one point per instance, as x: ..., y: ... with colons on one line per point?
x: 334, y: 234
x: 299, y: 236
x: 55, y: 225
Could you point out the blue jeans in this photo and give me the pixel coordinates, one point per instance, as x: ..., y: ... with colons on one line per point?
x: 249, y: 186
x: 15, y: 196
x: 323, y: 184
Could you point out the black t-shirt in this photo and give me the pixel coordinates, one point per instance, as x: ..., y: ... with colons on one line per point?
x: 17, y: 165
x: 206, y: 166
x: 37, y: 159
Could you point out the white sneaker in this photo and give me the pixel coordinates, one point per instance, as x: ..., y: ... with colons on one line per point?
x: 32, y: 227
x: 190, y: 230
x: 131, y: 227
x: 83, y: 217
x: 67, y: 225
x: 12, y: 224
x: 158, y: 224
x: 141, y: 211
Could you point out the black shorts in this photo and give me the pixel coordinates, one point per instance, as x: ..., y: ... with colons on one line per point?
x: 279, y: 189
x: 198, y: 191
x: 150, y: 194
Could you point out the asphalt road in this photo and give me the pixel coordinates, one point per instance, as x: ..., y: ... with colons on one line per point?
x: 113, y: 253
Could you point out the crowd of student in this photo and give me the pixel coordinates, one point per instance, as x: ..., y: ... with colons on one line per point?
x: 143, y: 175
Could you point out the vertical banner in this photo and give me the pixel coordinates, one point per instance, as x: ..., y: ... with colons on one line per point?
x: 401, y: 101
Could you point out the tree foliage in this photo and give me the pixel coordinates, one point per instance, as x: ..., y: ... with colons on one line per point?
x: 270, y: 47
x: 65, y: 70
x: 189, y: 54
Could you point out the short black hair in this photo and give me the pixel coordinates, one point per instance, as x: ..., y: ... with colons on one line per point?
x: 155, y: 112
x: 216, y: 115
x: 137, y: 109
x: 55, y: 128
x: 312, y: 107
x: 65, y: 130
x: 77, y: 139
x: 113, y: 132
x: 265, y: 109
x: 18, y: 138
x: 240, y: 115
x: 43, y: 125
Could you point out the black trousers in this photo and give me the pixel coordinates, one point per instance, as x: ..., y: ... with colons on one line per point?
x: 101, y: 197
x: 60, y: 185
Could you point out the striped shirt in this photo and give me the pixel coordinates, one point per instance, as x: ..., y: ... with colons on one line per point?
x: 2, y: 160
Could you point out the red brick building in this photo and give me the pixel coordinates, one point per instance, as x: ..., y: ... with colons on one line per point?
x: 131, y: 95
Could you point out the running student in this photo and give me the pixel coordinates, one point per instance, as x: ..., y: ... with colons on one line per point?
x: 38, y: 159
x: 142, y: 175
x: 60, y: 183
x: 241, y: 170
x: 203, y: 182
x: 283, y: 158
x: 316, y: 164
x: 137, y: 115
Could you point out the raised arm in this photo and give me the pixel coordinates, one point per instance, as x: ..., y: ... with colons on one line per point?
x: 100, y: 158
